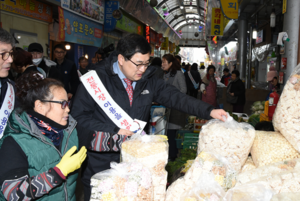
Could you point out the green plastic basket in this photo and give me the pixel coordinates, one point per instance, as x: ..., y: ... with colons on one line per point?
x: 179, y: 143
x: 189, y: 145
x: 191, y: 137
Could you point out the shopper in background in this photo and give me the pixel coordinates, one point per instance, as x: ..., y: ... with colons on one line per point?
x: 94, y: 60
x: 159, y: 71
x: 83, y: 63
x: 38, y: 148
x: 202, y: 71
x: 48, y: 66
x: 226, y: 77
x: 68, y: 70
x: 274, y: 85
x: 237, y: 89
x: 175, y: 77
x: 23, y: 62
x: 209, y: 87
x: 178, y: 58
x: 193, y: 81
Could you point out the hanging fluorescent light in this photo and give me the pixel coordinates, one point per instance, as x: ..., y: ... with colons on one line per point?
x: 254, y: 33
x: 273, y: 18
x: 190, y: 27
x: 236, y: 38
x: 195, y: 27
x: 191, y: 7
x: 181, y: 7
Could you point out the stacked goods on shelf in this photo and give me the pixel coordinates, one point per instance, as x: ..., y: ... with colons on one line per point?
x: 152, y: 152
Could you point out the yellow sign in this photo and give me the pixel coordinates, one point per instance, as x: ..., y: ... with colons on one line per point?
x: 284, y: 6
x: 217, y: 24
x: 222, y: 61
x: 230, y: 8
x: 165, y: 44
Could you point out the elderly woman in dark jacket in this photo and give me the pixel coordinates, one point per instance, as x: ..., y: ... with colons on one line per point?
x: 237, y: 88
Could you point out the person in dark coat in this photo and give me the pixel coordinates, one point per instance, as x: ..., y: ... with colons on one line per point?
x: 226, y: 77
x: 126, y: 68
x: 193, y: 80
x: 83, y: 64
x: 237, y: 88
x: 68, y: 70
x: 157, y: 63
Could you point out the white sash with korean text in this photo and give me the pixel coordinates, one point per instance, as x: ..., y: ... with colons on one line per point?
x: 97, y: 90
x: 7, y: 107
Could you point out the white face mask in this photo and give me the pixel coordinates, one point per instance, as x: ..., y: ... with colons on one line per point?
x: 37, y: 61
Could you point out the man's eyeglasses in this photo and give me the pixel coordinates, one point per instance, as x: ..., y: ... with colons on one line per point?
x: 6, y: 55
x: 64, y: 103
x: 138, y: 66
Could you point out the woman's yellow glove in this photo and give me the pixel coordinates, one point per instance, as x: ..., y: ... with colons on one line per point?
x: 69, y: 163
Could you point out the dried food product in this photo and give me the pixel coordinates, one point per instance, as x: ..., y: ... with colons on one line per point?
x: 230, y: 139
x: 249, y: 192
x: 286, y: 197
x: 271, y: 147
x: 124, y: 181
x: 286, y: 182
x: 268, y: 170
x: 205, y: 189
x: 286, y: 118
x: 205, y: 162
x: 249, y: 165
x: 152, y: 152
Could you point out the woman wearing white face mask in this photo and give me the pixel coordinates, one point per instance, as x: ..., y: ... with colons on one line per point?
x: 48, y: 66
x: 22, y: 61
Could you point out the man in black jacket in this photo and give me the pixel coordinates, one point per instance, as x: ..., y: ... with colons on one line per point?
x: 130, y: 61
x: 67, y: 69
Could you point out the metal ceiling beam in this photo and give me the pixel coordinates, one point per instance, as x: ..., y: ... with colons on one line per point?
x: 183, y: 15
x: 183, y: 21
x: 184, y: 6
x: 160, y: 4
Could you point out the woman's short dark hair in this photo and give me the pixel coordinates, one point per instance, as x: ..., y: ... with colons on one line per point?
x: 194, y: 67
x: 132, y: 44
x: 236, y: 72
x: 175, y: 65
x: 6, y: 37
x: 156, y: 62
x: 32, y: 86
x: 211, y: 67
x: 22, y: 57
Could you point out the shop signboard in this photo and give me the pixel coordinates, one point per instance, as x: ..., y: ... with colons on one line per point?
x: 128, y: 25
x: 159, y: 39
x: 165, y: 44
x: 29, y: 8
x: 230, y: 8
x: 153, y: 36
x: 76, y: 29
x: 217, y: 24
x: 147, y: 33
x: 109, y: 21
x: 284, y: 6
x: 91, y: 9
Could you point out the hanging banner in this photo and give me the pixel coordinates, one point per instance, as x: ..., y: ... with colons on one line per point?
x: 110, y: 22
x: 128, y: 24
x: 217, y: 25
x: 76, y: 29
x: 91, y: 9
x: 147, y: 30
x: 165, y: 44
x: 230, y: 8
x: 284, y: 6
x: 33, y: 9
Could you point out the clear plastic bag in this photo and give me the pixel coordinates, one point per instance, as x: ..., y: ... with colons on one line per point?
x: 271, y: 147
x: 286, y: 197
x: 268, y: 170
x: 249, y: 192
x: 286, y: 118
x: 205, y: 189
x: 249, y: 165
x: 124, y: 181
x: 152, y: 152
x: 229, y: 139
x: 205, y: 162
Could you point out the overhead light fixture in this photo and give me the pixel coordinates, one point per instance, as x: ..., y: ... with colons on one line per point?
x: 165, y: 10
x: 19, y: 37
x: 247, y: 31
x: 273, y: 18
x: 181, y: 7
x: 190, y: 27
x: 195, y: 27
x: 213, y: 55
x: 191, y: 7
x: 236, y: 38
x: 254, y: 33
x: 86, y: 56
x: 68, y: 47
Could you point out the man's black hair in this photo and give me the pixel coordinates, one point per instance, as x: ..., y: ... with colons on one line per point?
x: 132, y: 44
x: 202, y: 67
x: 236, y: 72
x: 82, y: 58
x: 60, y: 46
x: 226, y: 70
x: 6, y: 37
x: 178, y: 57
